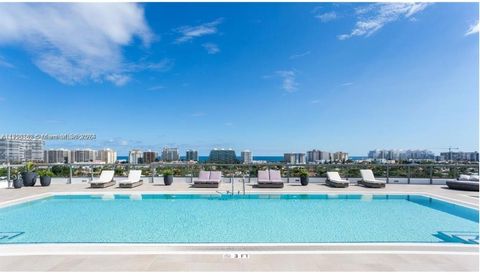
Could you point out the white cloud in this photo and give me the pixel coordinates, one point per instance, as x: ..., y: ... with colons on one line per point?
x: 300, y: 55
x: 5, y: 63
x: 346, y: 84
x: 315, y: 101
x: 118, y: 79
x: 199, y: 114
x: 79, y: 42
x: 289, y: 83
x: 211, y: 48
x: 373, y: 17
x: 155, y: 88
x: 473, y: 29
x: 328, y: 16
x: 188, y: 33
x: 228, y: 124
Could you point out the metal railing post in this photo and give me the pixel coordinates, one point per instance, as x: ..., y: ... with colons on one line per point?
x: 152, y: 172
x: 288, y: 173
x: 388, y: 173
x: 191, y: 173
x: 431, y: 174
x: 70, y: 175
x: 9, y: 172
x: 244, y: 186
x: 91, y: 172
x: 249, y: 173
x: 408, y: 173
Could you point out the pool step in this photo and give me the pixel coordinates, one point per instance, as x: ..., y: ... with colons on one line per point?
x: 458, y: 237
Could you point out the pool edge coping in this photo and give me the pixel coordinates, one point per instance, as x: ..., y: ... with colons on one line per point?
x: 25, y: 199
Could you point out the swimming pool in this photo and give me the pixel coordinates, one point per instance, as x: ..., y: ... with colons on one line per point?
x: 255, y: 218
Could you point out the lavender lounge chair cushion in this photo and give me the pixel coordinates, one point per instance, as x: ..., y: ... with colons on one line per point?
x: 275, y: 176
x: 263, y: 177
x: 203, y: 177
x: 215, y: 177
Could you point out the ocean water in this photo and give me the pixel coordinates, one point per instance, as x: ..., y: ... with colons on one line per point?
x: 237, y: 219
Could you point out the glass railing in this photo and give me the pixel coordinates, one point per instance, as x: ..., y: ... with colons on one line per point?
x: 386, y: 171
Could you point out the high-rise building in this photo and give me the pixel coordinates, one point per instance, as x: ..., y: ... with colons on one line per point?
x: 246, y: 157
x: 401, y: 154
x: 18, y: 151
x: 108, y: 156
x: 340, y: 156
x: 318, y: 156
x: 459, y: 156
x: 57, y: 156
x: 191, y: 155
x: 83, y: 156
x: 294, y: 158
x: 170, y: 154
x: 222, y: 156
x: 149, y: 156
x: 135, y: 156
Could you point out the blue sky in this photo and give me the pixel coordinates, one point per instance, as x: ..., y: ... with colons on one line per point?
x: 268, y: 77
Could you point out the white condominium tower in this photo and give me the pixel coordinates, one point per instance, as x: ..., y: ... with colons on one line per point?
x: 57, y: 156
x: 18, y: 151
x: 135, y: 157
x: 108, y: 156
x: 246, y: 157
x: 170, y: 154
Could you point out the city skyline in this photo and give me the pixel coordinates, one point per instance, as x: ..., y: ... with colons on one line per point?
x: 271, y: 78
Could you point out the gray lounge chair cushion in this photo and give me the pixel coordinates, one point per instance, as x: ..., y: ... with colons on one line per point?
x: 474, y: 178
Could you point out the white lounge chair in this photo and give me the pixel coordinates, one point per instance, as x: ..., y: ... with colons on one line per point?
x: 369, y: 181
x: 105, y: 180
x: 134, y: 179
x: 334, y: 180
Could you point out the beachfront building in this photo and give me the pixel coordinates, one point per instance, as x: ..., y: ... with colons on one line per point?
x: 149, y: 156
x: 18, y: 151
x: 107, y: 156
x: 340, y: 156
x: 135, y: 156
x: 318, y: 156
x: 246, y: 157
x: 82, y: 156
x: 294, y: 158
x: 222, y: 156
x: 170, y: 155
x: 191, y: 155
x: 56, y: 156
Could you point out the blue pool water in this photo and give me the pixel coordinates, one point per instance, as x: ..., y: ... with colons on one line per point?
x: 238, y: 219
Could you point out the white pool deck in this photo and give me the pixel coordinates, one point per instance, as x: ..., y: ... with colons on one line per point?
x: 238, y: 257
